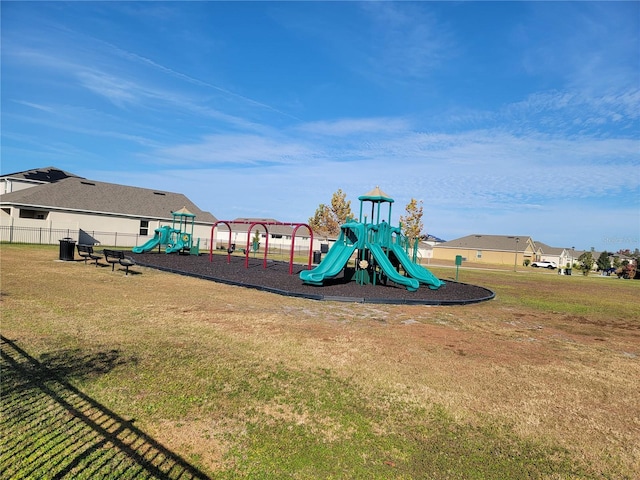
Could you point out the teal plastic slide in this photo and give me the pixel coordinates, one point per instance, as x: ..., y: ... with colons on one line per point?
x: 416, y: 271
x: 332, y: 265
x: 160, y: 237
x: 150, y: 245
x: 387, y: 267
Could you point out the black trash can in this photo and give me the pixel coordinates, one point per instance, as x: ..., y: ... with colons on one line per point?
x: 66, y: 249
x: 317, y: 256
x: 324, y: 248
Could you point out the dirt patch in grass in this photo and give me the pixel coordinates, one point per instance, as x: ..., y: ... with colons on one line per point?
x: 218, y: 367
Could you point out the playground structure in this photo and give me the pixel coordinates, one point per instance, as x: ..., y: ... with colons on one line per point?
x: 381, y: 252
x: 176, y: 238
x: 251, y: 246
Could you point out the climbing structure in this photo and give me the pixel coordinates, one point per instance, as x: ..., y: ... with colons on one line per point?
x: 381, y: 252
x: 182, y: 233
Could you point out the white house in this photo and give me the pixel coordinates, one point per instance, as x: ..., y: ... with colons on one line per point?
x: 560, y: 256
x: 55, y: 203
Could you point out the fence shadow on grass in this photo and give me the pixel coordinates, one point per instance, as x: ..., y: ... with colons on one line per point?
x: 52, y: 430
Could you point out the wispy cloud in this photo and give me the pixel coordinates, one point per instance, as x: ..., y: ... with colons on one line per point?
x: 117, y: 90
x: 123, y: 85
x: 483, y: 168
x: 223, y: 151
x: 407, y: 41
x: 591, y: 46
x: 572, y: 111
x: 355, y: 126
x: 128, y: 55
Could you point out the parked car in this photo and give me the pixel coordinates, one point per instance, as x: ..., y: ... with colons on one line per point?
x: 551, y: 265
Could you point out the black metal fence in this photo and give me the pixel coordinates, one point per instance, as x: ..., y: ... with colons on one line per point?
x: 51, y: 236
x: 37, y: 235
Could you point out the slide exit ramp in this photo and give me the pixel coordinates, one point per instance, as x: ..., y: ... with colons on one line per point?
x: 389, y: 270
x: 333, y: 263
x: 416, y: 271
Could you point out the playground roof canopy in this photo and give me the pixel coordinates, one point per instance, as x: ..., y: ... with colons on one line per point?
x: 376, y: 195
x: 183, y: 212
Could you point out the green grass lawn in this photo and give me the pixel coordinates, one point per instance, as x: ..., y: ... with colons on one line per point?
x: 161, y: 376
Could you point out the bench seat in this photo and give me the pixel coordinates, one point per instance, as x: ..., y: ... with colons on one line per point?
x: 87, y: 253
x: 118, y: 256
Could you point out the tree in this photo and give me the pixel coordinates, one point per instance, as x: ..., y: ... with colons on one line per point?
x: 256, y: 240
x: 327, y: 219
x: 412, y: 223
x: 604, y: 262
x: 586, y: 262
x: 341, y: 207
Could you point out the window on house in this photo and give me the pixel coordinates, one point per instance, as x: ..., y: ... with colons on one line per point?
x: 35, y: 214
x: 479, y: 254
x: 144, y: 227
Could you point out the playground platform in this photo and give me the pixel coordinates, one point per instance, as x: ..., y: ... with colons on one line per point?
x: 276, y: 279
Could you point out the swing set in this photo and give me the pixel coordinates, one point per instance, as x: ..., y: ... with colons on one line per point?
x: 265, y: 225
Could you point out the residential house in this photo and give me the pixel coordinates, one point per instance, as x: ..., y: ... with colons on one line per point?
x: 60, y: 204
x: 560, y: 256
x: 491, y: 249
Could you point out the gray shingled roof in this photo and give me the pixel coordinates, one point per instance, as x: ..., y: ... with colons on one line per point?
x: 78, y: 194
x: 550, y: 250
x: 46, y: 174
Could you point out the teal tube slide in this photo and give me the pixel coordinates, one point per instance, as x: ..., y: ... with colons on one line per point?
x: 416, y: 271
x: 387, y: 267
x: 332, y: 265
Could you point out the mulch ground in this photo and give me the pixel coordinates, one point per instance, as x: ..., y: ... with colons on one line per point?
x: 275, y: 278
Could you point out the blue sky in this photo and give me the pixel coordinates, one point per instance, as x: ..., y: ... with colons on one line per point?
x: 503, y: 118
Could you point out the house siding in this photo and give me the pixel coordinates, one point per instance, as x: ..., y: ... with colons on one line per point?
x: 488, y: 249
x: 487, y: 256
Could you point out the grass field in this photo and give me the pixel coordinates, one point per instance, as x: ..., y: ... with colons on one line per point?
x: 154, y: 375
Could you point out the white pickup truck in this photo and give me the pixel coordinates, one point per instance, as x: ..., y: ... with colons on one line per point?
x: 544, y: 264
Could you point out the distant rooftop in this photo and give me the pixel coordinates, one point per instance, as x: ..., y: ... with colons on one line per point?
x: 43, y: 175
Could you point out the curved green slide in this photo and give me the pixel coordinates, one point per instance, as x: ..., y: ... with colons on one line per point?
x: 337, y: 257
x: 387, y: 267
x: 416, y: 271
